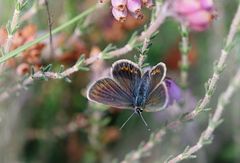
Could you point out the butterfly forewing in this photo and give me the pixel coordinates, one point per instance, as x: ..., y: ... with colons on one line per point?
x: 157, y: 75
x: 127, y: 74
x: 157, y: 99
x: 108, y: 92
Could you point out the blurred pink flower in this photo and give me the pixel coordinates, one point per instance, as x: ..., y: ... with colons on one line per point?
x: 196, y: 14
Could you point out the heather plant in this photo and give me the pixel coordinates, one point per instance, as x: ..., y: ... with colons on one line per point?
x: 56, y: 105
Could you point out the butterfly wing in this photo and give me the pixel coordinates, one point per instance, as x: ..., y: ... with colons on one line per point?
x: 108, y: 92
x: 158, y: 99
x: 127, y: 74
x: 157, y: 74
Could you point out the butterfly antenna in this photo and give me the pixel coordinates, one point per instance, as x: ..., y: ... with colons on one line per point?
x: 140, y: 114
x: 127, y: 120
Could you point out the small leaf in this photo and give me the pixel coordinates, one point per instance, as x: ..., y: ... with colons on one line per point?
x: 47, y: 68
x: 80, y: 61
x: 154, y: 35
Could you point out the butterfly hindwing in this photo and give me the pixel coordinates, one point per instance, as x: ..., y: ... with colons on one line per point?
x: 108, y: 92
x: 127, y: 74
x: 158, y: 99
x: 157, y: 74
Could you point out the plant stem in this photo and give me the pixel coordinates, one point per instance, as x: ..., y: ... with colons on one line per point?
x: 56, y: 30
x: 214, y: 121
x: 184, y: 64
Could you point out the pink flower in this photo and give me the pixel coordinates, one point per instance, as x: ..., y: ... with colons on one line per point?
x: 121, y: 8
x: 197, y: 14
x: 119, y: 15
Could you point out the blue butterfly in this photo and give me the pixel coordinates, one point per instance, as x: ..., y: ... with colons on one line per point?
x: 130, y: 88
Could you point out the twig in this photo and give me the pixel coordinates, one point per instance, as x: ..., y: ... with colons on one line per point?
x: 218, y: 68
x: 207, y: 135
x: 213, y: 80
x: 30, y: 13
x: 37, y: 75
x: 49, y: 26
x: 77, y: 123
x: 161, y: 16
x: 144, y: 149
x: 142, y: 55
x: 13, y: 25
x: 184, y: 48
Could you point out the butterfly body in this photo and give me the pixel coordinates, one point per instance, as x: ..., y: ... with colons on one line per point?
x: 141, y: 92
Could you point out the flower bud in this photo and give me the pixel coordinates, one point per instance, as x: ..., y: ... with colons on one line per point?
x: 185, y: 6
x: 197, y: 14
x: 199, y: 21
x: 119, y: 15
x: 134, y: 6
x: 119, y: 4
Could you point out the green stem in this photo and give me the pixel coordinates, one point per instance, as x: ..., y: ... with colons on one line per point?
x: 56, y: 30
x: 184, y: 48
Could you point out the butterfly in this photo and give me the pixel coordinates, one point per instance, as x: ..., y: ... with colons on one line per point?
x: 131, y: 88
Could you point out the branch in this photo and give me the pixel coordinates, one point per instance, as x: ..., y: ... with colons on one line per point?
x: 144, y: 148
x: 218, y: 68
x: 37, y: 75
x: 207, y: 135
x: 49, y: 26
x: 79, y: 122
x: 209, y: 91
